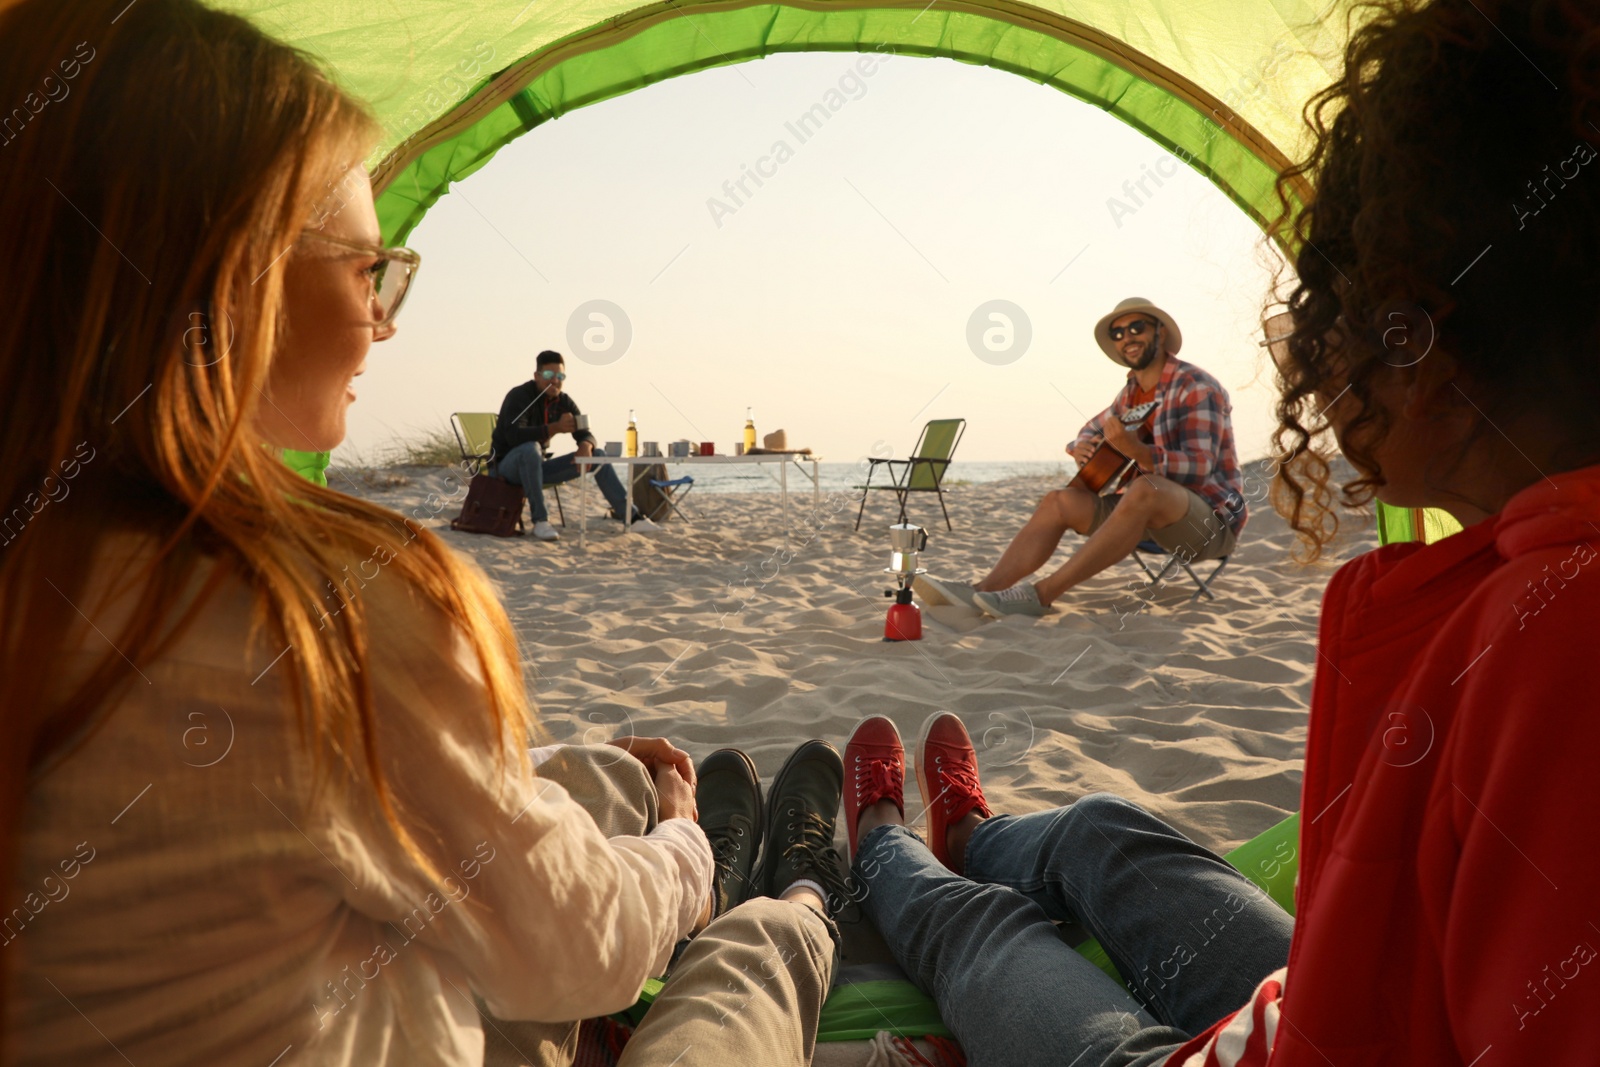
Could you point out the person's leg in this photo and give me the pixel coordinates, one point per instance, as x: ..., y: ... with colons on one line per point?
x: 748, y: 990
x: 1200, y: 535
x: 1006, y: 984
x: 559, y: 469
x: 617, y: 792
x: 524, y: 466
x: 608, y: 783
x: 611, y: 487
x: 1060, y: 510
x: 1191, y: 935
x: 1149, y: 501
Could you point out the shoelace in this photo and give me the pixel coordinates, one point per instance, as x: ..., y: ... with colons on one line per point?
x: 1020, y: 591
x: 960, y: 788
x: 883, y: 777
x: 810, y: 853
x: 725, y: 844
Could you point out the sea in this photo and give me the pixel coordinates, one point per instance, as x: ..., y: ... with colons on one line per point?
x: 757, y: 478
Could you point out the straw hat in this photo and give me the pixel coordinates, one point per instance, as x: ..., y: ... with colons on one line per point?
x: 1102, y: 329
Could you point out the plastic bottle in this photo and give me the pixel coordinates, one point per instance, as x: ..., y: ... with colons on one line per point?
x: 632, y: 448
x: 749, y: 431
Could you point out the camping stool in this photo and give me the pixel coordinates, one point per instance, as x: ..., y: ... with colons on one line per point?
x: 686, y: 483
x: 1203, y: 585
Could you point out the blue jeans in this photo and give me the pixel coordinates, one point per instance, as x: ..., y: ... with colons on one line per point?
x: 526, y: 465
x: 1191, y: 935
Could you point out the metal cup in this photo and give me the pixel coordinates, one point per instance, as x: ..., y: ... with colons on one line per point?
x: 582, y: 422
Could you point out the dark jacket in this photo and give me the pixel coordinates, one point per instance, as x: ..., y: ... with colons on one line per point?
x: 526, y: 414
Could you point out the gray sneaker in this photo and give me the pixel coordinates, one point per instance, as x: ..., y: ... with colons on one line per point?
x: 935, y: 591
x: 1020, y: 599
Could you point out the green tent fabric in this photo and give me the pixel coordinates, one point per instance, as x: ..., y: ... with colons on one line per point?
x: 1220, y: 83
x: 1414, y: 524
x: 312, y: 466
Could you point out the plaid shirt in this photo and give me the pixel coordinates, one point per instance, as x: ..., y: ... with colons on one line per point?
x: 1191, y: 436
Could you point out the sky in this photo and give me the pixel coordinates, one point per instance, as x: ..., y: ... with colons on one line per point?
x: 848, y: 296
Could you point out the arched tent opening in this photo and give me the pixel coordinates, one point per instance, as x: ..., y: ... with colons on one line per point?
x: 667, y: 40
x: 1221, y: 84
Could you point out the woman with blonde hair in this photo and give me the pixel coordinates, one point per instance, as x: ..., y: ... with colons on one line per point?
x: 266, y: 792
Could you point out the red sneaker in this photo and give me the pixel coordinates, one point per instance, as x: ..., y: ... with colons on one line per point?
x: 874, y: 770
x: 947, y: 773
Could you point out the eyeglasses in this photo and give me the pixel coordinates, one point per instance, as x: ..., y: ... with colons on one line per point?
x: 1133, y: 329
x: 558, y: 375
x: 390, y: 276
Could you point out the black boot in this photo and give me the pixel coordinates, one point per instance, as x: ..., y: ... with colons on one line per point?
x: 802, y: 810
x: 729, y: 798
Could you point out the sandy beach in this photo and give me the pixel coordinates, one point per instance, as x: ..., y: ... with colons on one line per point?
x: 724, y: 632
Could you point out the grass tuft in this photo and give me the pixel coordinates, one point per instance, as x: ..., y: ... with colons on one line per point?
x: 435, y: 447
x: 423, y: 447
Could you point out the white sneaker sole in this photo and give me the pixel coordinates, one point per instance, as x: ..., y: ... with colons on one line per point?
x: 934, y: 592
x: 997, y: 613
x: 923, y: 785
x: 981, y: 605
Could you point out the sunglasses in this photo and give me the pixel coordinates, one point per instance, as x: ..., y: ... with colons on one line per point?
x: 390, y: 276
x: 1132, y: 329
x: 558, y: 375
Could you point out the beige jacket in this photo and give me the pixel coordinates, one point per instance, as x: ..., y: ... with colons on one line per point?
x: 180, y: 899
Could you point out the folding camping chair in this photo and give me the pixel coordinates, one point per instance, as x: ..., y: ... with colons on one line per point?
x: 1203, y: 585
x: 474, y: 432
x: 923, y: 472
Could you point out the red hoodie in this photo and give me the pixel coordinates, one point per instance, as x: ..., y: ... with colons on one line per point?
x: 1448, y: 906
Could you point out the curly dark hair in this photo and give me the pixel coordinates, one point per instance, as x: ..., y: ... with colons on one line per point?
x: 1456, y: 194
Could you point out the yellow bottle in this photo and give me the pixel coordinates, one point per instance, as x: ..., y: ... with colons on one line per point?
x: 749, y: 431
x: 632, y: 448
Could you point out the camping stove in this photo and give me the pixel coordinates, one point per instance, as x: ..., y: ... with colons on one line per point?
x: 905, y: 618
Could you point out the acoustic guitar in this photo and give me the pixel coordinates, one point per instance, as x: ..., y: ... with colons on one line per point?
x: 1107, y: 469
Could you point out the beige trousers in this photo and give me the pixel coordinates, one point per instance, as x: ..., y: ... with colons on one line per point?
x: 749, y: 988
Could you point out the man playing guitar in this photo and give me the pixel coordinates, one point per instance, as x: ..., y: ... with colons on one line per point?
x: 1184, y: 492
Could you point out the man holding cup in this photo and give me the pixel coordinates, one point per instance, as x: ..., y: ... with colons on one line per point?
x: 532, y: 414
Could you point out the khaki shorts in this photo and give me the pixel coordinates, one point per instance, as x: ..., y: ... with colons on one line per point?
x: 1199, y: 535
